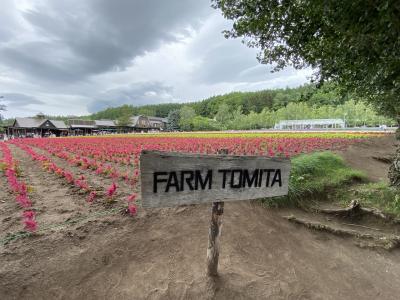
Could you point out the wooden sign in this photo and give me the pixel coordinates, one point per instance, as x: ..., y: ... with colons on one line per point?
x: 171, y: 179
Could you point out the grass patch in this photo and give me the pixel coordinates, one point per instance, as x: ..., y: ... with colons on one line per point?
x: 314, y: 175
x: 379, y: 195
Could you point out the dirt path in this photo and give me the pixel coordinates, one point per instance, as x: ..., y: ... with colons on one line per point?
x: 366, y: 156
x: 161, y: 255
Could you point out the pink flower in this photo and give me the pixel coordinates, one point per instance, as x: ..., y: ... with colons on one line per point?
x: 28, y: 214
x: 132, y: 197
x: 23, y: 189
x: 30, y: 225
x: 68, y: 176
x: 23, y: 201
x: 132, y: 209
x: 111, y: 190
x: 91, y: 196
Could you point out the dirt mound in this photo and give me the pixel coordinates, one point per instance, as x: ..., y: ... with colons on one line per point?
x: 372, y: 156
x: 161, y: 255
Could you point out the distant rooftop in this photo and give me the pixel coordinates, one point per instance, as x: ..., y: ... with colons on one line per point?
x: 59, y: 124
x: 105, y: 123
x: 158, y: 119
x: 310, y: 124
x: 312, y: 121
x: 36, y: 122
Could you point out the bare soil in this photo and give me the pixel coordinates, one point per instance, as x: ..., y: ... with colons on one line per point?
x: 372, y: 156
x: 160, y: 253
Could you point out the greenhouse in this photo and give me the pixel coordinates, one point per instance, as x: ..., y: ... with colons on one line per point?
x: 310, y: 124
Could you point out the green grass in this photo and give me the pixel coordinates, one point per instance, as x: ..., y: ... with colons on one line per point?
x: 379, y: 195
x: 315, y: 175
x: 325, y: 176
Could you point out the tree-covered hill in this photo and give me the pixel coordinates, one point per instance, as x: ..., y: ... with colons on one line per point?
x: 252, y: 110
x: 249, y: 101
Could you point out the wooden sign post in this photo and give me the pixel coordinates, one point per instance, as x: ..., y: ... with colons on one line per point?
x: 172, y: 179
x: 214, y: 232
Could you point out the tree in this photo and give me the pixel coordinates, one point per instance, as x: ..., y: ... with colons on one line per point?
x: 354, y: 44
x: 124, y: 120
x: 223, y: 115
x: 2, y: 108
x: 174, y: 118
x: 187, y: 114
x: 146, y: 111
x: 202, y: 123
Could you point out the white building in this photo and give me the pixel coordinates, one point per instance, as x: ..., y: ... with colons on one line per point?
x: 310, y: 124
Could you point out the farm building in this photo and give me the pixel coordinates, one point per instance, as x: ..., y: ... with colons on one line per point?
x: 158, y: 123
x: 106, y: 125
x: 29, y: 127
x: 140, y: 123
x: 310, y: 124
x: 81, y: 127
x: 144, y: 123
x: 40, y: 126
x: 85, y: 127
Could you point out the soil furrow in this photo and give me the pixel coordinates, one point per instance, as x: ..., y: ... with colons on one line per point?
x: 10, y: 211
x: 53, y: 199
x: 123, y: 190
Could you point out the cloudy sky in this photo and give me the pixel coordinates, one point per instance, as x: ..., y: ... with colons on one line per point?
x: 78, y: 57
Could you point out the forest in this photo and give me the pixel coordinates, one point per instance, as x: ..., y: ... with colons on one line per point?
x: 256, y: 110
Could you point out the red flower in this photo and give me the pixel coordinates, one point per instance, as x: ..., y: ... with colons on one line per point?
x: 132, y: 209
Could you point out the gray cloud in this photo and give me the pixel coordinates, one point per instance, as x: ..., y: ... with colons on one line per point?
x: 82, y: 56
x: 82, y: 38
x: 134, y: 94
x: 227, y: 60
x: 16, y: 99
x: 9, y: 24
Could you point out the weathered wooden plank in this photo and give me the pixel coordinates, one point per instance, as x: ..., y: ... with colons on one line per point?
x: 171, y: 179
x: 214, y: 234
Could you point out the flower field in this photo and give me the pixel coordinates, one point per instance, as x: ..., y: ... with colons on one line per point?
x: 88, y: 174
